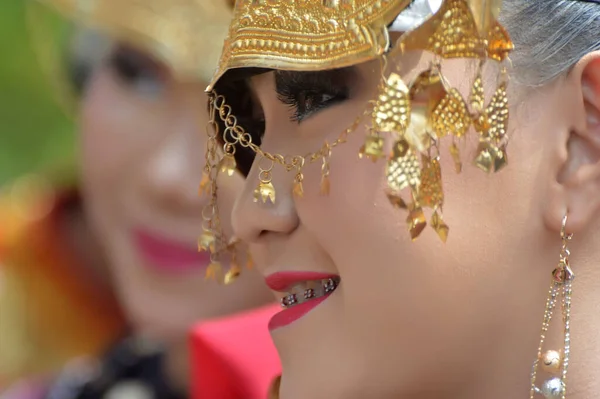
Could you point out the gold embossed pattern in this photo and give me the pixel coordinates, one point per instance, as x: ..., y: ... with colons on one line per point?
x: 307, y: 34
x: 455, y: 32
x: 404, y: 170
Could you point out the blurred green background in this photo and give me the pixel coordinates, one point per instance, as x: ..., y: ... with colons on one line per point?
x: 35, y: 132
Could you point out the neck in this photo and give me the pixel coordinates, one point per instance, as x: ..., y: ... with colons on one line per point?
x: 506, y: 371
x: 582, y: 380
x: 177, y: 366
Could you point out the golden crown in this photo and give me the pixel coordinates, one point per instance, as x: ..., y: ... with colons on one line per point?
x: 307, y: 34
x: 185, y: 34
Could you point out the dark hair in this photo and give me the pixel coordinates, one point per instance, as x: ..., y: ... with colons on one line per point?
x: 234, y: 87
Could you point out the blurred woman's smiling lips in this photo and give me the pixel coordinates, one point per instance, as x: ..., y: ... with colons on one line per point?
x: 166, y: 255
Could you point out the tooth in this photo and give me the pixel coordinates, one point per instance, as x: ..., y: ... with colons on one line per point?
x: 300, y: 287
x: 289, y: 300
x: 319, y: 289
x: 329, y: 285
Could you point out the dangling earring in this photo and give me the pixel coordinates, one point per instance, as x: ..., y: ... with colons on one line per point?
x: 553, y: 362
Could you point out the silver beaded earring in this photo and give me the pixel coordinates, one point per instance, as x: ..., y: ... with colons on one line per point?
x: 555, y: 363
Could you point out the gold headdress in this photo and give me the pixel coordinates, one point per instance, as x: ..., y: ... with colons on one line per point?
x: 315, y: 35
x: 307, y: 35
x: 185, y: 34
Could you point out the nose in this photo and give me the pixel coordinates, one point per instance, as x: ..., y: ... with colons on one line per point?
x: 255, y: 216
x: 174, y: 169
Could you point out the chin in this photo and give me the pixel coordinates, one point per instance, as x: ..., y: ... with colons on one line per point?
x: 156, y: 327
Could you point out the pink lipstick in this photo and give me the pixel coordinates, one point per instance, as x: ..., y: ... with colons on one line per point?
x: 168, y: 256
x: 282, y: 281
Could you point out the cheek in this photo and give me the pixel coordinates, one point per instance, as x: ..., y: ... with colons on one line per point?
x: 427, y: 280
x: 106, y: 119
x: 118, y: 131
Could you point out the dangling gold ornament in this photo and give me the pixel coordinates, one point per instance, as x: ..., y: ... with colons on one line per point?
x: 228, y: 165
x: 232, y: 274
x: 451, y: 116
x: 298, y: 189
x: 373, y: 147
x: 403, y: 168
x: 430, y: 192
x: 213, y: 271
x: 206, y: 242
x: 325, y: 185
x: 416, y: 222
x: 413, y: 119
x: 440, y: 227
x: 265, y: 191
x: 392, y: 108
x: 492, y: 124
x: 205, y: 184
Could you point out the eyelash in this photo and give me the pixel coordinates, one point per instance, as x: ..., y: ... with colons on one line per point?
x: 294, y: 90
x: 307, y: 96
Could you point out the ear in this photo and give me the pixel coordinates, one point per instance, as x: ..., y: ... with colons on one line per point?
x: 576, y: 191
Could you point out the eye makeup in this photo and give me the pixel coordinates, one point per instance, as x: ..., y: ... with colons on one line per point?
x: 307, y: 93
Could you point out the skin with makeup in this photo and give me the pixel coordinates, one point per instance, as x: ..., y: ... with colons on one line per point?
x: 368, y: 310
x: 136, y: 214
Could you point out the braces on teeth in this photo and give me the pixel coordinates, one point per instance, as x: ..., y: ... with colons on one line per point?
x: 309, y: 293
x: 289, y: 300
x: 330, y: 285
x: 326, y: 286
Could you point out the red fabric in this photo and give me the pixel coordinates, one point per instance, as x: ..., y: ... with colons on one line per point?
x: 234, y: 357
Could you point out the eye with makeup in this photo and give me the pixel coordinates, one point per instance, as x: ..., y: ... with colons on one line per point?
x: 307, y: 93
x: 138, y: 71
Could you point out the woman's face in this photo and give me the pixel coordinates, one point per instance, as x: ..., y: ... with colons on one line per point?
x: 142, y: 146
x: 406, y: 315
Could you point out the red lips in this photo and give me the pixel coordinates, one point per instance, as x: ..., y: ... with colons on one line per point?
x: 282, y: 281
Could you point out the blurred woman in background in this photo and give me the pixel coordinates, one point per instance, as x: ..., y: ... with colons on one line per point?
x: 114, y: 259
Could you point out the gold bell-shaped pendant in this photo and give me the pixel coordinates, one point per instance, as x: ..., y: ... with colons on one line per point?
x: 228, y: 165
x: 232, y: 274
x: 213, y: 271
x: 264, y: 192
x: 206, y: 242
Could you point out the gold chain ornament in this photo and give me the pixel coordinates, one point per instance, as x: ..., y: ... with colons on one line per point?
x: 414, y: 117
x: 212, y: 238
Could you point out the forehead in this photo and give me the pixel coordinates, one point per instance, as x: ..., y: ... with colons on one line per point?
x: 261, y: 80
x: 259, y: 84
